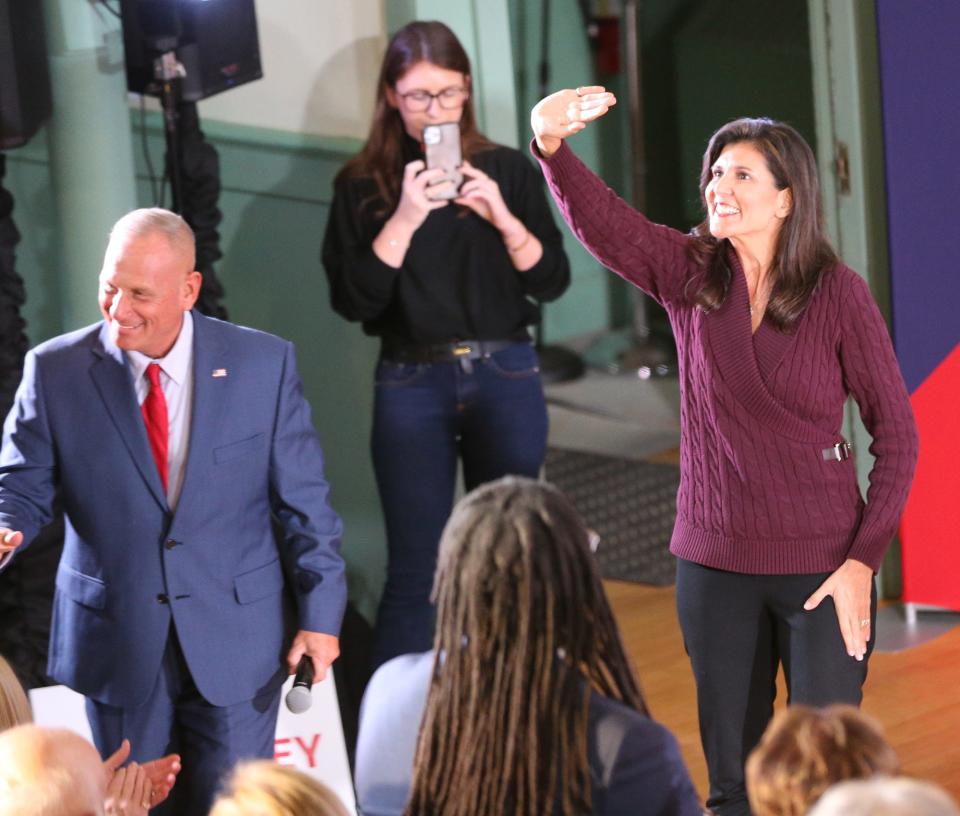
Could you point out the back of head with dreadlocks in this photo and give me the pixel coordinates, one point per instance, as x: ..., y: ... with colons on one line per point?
x: 524, y: 631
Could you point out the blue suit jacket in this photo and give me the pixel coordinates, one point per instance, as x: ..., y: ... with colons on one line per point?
x: 213, y: 568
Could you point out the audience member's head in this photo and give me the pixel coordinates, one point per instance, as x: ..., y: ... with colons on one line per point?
x: 523, y: 631
x: 263, y: 788
x: 14, y: 707
x: 49, y: 772
x: 806, y: 750
x: 883, y: 796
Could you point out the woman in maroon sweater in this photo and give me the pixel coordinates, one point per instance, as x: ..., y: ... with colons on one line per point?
x: 776, y: 547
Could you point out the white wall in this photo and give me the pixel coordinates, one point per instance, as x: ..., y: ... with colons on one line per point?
x: 320, y: 63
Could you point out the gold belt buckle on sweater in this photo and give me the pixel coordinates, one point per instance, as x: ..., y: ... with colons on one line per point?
x: 840, y: 452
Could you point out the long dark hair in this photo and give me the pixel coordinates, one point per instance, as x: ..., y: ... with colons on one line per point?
x: 524, y: 630
x: 381, y: 158
x: 803, y: 251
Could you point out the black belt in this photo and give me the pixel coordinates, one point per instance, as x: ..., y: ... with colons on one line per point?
x: 445, y: 352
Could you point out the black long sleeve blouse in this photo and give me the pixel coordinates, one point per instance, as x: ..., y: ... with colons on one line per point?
x: 457, y: 281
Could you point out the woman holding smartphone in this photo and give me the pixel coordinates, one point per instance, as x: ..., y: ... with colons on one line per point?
x: 450, y: 287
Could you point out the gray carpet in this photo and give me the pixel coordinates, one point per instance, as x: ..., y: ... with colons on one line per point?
x: 630, y: 504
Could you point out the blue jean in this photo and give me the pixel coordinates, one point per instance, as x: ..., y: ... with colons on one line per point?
x: 490, y: 414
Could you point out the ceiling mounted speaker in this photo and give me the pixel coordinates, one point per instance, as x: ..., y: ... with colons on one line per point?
x: 25, y: 99
x: 215, y: 40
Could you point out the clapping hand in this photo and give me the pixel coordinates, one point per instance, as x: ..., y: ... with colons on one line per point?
x: 160, y: 773
x: 128, y: 792
x: 566, y: 112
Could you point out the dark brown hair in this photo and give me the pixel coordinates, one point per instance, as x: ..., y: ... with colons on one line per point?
x: 803, y: 251
x: 806, y: 750
x: 524, y: 631
x: 381, y: 158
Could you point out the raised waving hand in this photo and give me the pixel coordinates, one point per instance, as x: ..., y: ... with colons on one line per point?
x: 566, y: 112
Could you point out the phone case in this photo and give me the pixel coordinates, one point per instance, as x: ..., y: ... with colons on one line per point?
x: 441, y: 144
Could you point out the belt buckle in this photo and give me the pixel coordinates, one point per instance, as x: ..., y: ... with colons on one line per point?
x: 461, y: 349
x: 840, y: 452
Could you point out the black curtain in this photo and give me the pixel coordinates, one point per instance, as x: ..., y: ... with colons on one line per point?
x: 200, y: 188
x: 26, y: 586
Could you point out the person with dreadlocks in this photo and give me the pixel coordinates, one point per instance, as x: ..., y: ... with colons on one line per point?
x: 529, y: 704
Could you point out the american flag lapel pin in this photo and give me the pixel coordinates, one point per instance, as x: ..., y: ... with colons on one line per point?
x: 219, y: 372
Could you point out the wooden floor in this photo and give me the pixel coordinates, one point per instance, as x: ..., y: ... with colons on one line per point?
x: 915, y: 694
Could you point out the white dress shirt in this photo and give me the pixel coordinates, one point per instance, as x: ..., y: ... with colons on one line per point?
x: 176, y: 379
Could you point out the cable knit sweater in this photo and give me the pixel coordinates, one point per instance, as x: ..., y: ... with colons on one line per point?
x: 757, y: 410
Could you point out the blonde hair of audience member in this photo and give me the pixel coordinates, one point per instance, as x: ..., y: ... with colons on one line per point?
x: 883, y: 796
x: 14, y: 706
x: 49, y: 772
x: 806, y: 750
x: 121, y: 782
x: 263, y: 788
x: 524, y: 630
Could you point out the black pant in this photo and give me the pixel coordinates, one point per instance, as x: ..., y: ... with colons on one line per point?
x: 737, y: 628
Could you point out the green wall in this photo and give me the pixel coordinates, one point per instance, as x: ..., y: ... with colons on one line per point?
x: 705, y: 63
x: 585, y: 306
x: 34, y: 212
x: 750, y: 58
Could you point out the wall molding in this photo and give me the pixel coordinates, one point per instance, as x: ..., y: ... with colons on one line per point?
x: 288, y: 165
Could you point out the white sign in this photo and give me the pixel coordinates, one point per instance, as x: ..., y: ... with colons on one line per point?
x: 312, y: 742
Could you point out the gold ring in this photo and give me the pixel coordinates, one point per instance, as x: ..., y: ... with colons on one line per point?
x: 864, y: 622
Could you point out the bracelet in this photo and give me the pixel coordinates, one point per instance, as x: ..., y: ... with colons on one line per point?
x: 522, y: 244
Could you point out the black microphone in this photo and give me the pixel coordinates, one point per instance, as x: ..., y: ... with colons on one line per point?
x: 299, y: 699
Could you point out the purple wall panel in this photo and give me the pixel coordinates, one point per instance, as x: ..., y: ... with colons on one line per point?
x: 919, y: 45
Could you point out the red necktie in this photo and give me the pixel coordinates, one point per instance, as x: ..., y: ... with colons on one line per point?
x: 154, y: 411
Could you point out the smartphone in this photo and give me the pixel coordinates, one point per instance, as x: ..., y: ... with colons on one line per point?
x: 441, y: 143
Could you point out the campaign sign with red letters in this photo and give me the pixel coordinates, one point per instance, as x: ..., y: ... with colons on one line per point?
x: 311, y: 742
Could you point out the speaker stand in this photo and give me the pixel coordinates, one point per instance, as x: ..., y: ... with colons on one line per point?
x: 168, y: 72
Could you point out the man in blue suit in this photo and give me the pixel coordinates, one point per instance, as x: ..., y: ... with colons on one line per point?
x: 176, y: 442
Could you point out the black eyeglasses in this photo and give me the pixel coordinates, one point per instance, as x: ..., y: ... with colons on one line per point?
x: 448, y: 99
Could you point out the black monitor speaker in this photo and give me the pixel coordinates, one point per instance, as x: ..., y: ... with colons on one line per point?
x: 215, y: 40
x: 25, y: 99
